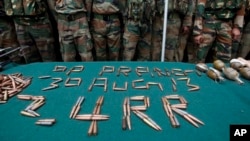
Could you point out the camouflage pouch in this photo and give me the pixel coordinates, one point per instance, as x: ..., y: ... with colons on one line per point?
x: 136, y: 10
x: 182, y: 6
x: 160, y: 6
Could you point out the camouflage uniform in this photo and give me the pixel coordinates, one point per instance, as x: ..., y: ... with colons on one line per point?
x: 190, y: 45
x: 73, y: 29
x: 245, y: 42
x: 33, y: 29
x: 137, y: 33
x: 157, y: 31
x: 213, y: 21
x: 106, y: 28
x: 7, y: 33
x: 179, y: 15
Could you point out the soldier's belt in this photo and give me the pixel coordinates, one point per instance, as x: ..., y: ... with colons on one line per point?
x: 105, y: 17
x: 71, y: 17
x: 30, y: 17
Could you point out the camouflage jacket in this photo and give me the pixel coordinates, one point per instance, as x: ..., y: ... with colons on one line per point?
x: 24, y: 7
x: 218, y: 9
x: 104, y: 6
x: 139, y: 10
x: 183, y: 7
x: 70, y: 6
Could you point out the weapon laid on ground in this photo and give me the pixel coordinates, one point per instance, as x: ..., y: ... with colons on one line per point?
x: 5, y: 52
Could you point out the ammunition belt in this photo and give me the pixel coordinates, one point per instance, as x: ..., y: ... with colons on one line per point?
x: 106, y: 17
x: 71, y: 17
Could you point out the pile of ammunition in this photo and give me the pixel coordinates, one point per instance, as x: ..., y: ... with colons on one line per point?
x: 178, y: 108
x: 11, y: 85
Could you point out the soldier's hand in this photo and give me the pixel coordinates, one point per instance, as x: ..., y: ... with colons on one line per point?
x: 236, y: 33
x: 185, y: 30
x: 198, y: 39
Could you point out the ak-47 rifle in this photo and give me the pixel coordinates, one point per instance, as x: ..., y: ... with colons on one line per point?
x: 5, y: 52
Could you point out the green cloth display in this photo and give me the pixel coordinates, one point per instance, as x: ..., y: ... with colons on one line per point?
x: 218, y: 105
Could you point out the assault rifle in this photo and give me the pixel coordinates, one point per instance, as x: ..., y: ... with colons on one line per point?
x: 5, y: 52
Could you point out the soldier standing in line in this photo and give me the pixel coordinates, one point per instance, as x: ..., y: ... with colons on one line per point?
x: 245, y: 41
x: 157, y: 32
x: 186, y: 10
x: 178, y: 25
x: 73, y: 29
x: 8, y: 36
x: 33, y: 29
x: 105, y: 28
x: 214, y: 22
x: 138, y: 17
x: 190, y: 45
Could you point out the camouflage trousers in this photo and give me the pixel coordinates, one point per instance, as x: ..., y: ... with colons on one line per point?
x: 245, y: 42
x: 191, y: 49
x: 106, y: 33
x: 175, y: 42
x: 74, y: 37
x: 136, y: 38
x: 157, y: 37
x: 34, y: 34
x: 8, y: 36
x: 217, y: 35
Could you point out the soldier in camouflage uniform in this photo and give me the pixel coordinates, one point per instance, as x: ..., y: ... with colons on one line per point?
x: 214, y: 22
x: 73, y: 29
x: 245, y: 41
x: 106, y: 28
x: 157, y: 30
x: 178, y: 24
x: 33, y: 29
x: 191, y: 46
x: 7, y: 33
x: 138, y: 27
